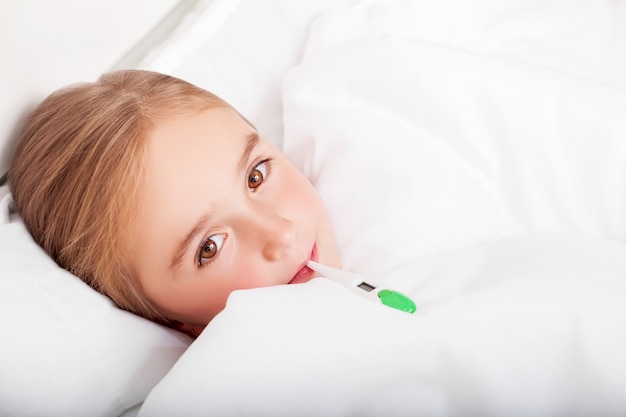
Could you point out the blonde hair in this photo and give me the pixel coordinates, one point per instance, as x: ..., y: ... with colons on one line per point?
x: 78, y: 165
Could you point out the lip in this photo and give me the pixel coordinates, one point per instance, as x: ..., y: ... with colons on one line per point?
x: 305, y: 273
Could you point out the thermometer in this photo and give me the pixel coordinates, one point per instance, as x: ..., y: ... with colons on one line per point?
x: 357, y: 284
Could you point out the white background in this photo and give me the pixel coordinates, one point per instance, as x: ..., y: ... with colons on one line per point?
x: 45, y: 45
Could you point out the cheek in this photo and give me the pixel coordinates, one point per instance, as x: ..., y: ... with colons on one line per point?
x: 299, y: 191
x: 243, y: 268
x: 311, y: 210
x: 200, y: 299
x: 298, y: 200
x: 246, y: 274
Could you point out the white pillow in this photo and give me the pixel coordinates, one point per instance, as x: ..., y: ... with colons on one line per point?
x: 239, y: 50
x: 66, y: 349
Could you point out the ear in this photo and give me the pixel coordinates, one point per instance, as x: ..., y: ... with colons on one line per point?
x: 192, y: 330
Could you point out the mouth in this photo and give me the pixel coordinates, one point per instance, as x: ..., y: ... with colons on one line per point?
x: 305, y: 273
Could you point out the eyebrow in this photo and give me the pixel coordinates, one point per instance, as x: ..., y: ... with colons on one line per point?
x: 252, y: 140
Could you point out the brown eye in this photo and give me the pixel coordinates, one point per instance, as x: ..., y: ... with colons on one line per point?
x: 257, y: 176
x: 210, y: 248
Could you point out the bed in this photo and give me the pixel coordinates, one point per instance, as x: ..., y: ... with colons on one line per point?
x: 472, y: 156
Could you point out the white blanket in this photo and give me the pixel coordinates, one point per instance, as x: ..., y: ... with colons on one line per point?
x: 444, y: 146
x: 473, y: 160
x: 532, y: 326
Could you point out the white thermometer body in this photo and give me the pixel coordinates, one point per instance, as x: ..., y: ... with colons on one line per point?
x: 358, y: 284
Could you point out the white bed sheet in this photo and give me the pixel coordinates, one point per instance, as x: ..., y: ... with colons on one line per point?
x: 475, y: 161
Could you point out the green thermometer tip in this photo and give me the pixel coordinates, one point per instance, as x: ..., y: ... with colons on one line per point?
x: 396, y: 300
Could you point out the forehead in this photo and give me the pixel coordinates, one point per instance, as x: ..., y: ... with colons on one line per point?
x: 216, y: 130
x: 187, y: 155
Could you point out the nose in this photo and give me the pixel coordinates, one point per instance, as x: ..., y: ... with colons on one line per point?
x: 279, y: 238
x: 271, y: 232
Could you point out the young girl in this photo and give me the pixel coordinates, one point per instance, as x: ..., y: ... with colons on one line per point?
x: 163, y: 197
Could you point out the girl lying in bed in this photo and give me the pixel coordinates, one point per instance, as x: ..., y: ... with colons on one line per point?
x: 162, y: 196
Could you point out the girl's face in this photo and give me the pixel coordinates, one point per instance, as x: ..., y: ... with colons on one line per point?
x: 221, y: 209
